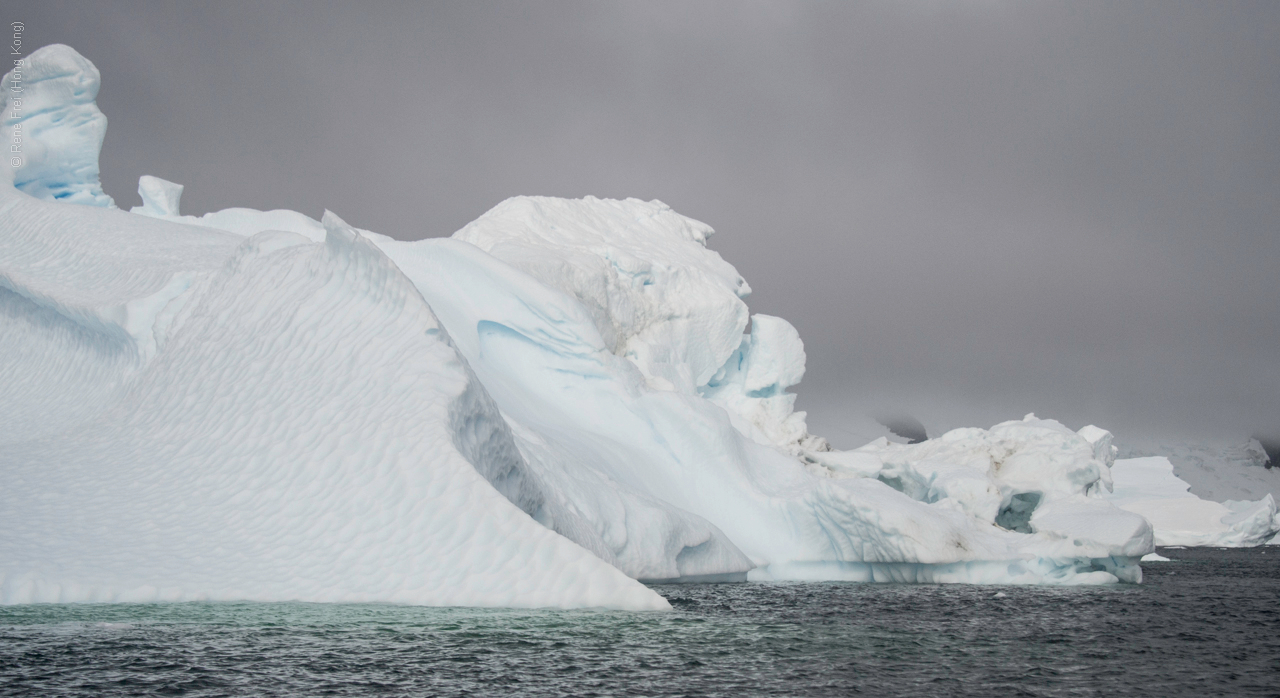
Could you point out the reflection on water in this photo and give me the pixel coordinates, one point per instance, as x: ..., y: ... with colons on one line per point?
x: 1208, y: 624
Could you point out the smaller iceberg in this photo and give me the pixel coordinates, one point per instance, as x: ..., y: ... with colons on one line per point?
x: 1149, y: 487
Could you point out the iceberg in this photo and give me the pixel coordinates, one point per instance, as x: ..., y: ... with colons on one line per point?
x: 191, y: 414
x: 564, y: 399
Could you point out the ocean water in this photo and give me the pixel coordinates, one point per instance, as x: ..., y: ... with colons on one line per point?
x: 1206, y: 624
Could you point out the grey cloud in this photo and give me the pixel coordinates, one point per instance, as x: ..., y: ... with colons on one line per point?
x: 970, y: 211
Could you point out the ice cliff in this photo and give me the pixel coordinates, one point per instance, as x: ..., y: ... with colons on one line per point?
x: 560, y: 400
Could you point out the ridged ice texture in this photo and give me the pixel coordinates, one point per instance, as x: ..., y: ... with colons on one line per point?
x: 83, y: 297
x: 301, y: 433
x: 564, y: 486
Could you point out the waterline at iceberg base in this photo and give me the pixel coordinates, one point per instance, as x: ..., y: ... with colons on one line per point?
x: 556, y: 402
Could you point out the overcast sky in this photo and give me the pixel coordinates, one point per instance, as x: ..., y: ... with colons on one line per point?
x: 969, y: 210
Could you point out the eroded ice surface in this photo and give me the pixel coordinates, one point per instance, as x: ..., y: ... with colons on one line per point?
x: 49, y: 111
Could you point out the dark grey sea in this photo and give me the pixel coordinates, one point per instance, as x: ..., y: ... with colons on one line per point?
x: 1207, y: 624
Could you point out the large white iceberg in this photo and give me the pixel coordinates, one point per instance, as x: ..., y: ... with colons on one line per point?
x: 560, y: 400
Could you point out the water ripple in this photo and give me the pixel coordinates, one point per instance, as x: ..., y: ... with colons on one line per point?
x: 1208, y: 624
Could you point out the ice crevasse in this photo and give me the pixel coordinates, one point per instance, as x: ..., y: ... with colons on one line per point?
x: 558, y: 401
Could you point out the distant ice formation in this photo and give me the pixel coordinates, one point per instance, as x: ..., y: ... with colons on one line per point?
x: 1218, y: 471
x: 1148, y: 486
x: 560, y: 400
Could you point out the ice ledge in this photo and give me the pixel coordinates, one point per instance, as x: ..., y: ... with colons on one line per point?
x: 1041, y: 571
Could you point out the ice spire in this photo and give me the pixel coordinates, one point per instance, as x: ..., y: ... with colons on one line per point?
x: 52, y: 128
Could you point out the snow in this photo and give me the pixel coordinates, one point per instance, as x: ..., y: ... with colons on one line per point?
x: 1032, y: 475
x: 81, y: 312
x: 540, y: 356
x: 669, y: 479
x: 560, y: 400
x: 191, y: 414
